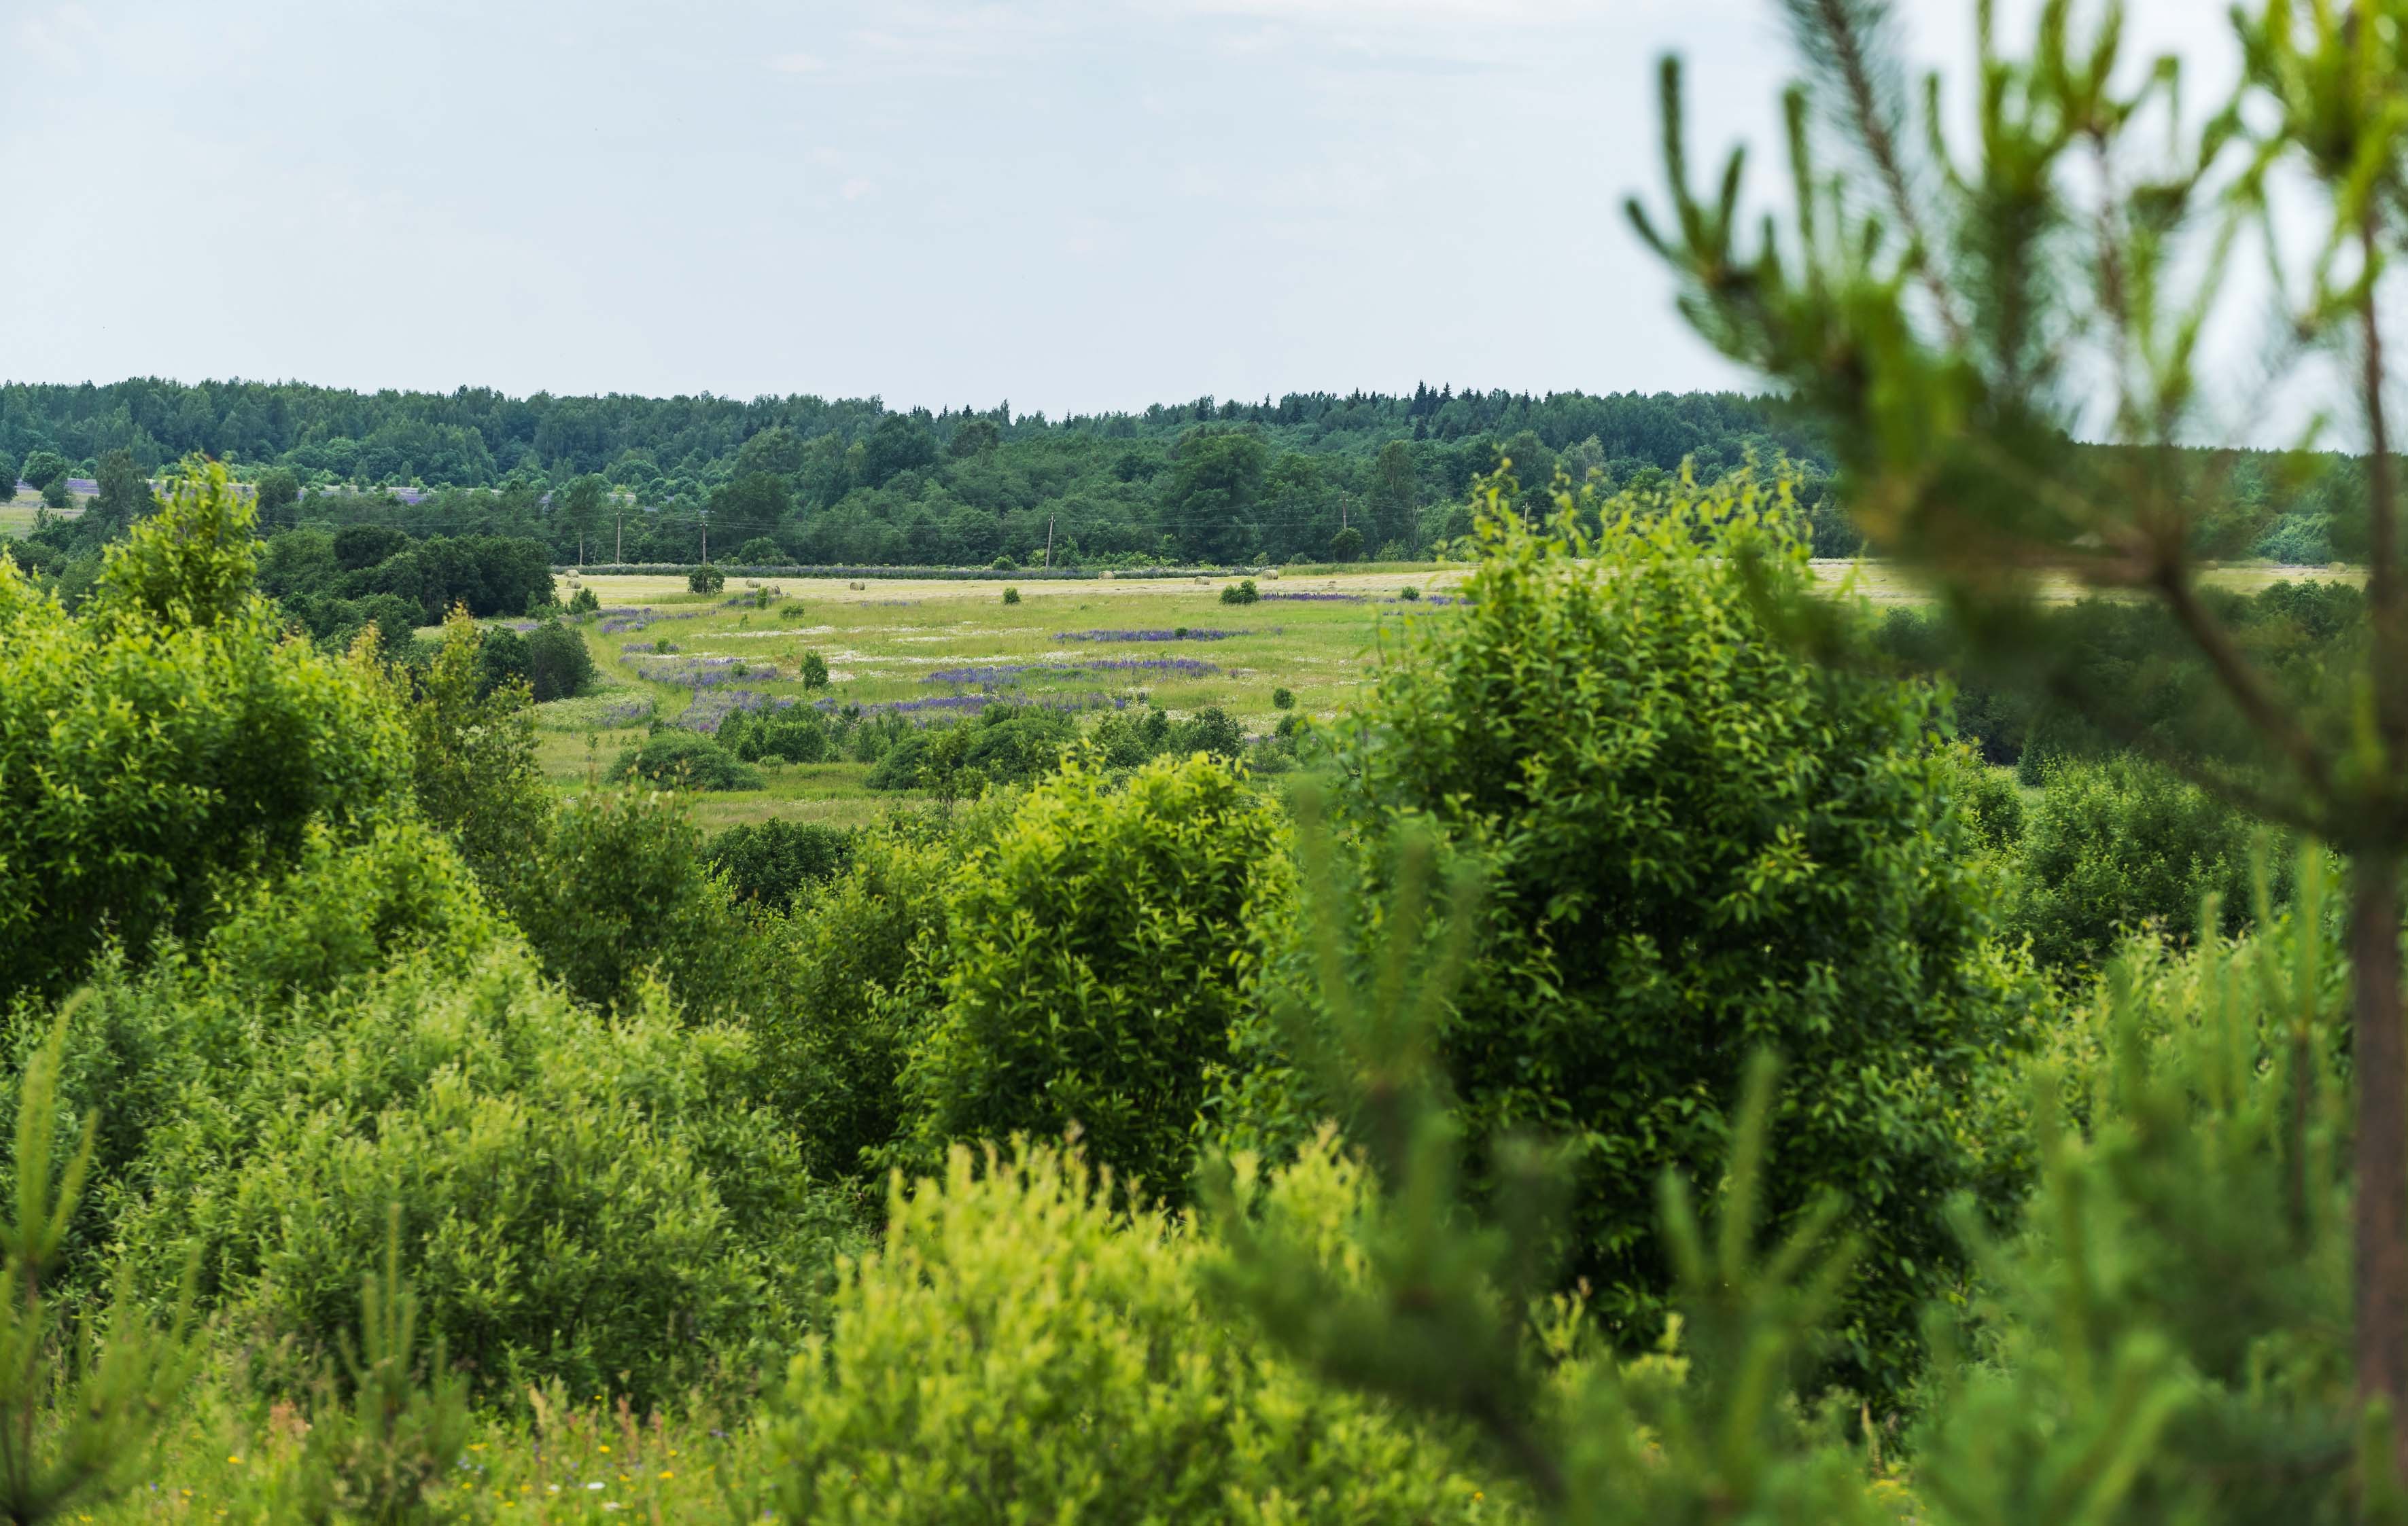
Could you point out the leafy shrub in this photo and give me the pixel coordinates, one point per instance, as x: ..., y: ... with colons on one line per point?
x: 2298, y: 540
x: 1699, y: 843
x: 503, y: 660
x: 812, y: 670
x: 774, y: 861
x: 617, y: 891
x: 1003, y: 743
x: 1017, y: 1340
x: 684, y: 760
x: 1100, y: 946
x: 854, y: 989
x: 584, y: 603
x: 1210, y: 730
x: 1409, y: 591
x: 165, y: 738
x: 706, y: 578
x: 1242, y: 592
x: 2115, y: 847
x: 473, y: 767
x: 760, y: 552
x: 559, y: 666
x: 1011, y: 595
x: 1283, y: 698
x: 582, y: 1196
x: 798, y: 735
x: 1346, y: 545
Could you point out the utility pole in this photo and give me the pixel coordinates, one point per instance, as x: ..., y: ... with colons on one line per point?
x: 1049, y: 542
x: 706, y: 536
x: 619, y: 538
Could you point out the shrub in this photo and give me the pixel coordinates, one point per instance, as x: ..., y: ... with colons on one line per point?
x: 1346, y: 545
x: 760, y: 552
x: 684, y: 760
x: 1699, y: 843
x: 798, y: 735
x: 559, y: 666
x: 503, y: 660
x: 1100, y: 947
x: 2115, y: 847
x: 584, y: 603
x: 1017, y: 1340
x: 584, y: 1197
x: 165, y: 738
x: 772, y: 862
x: 1283, y: 698
x: 473, y: 768
x: 1210, y: 730
x: 812, y: 670
x: 619, y: 890
x: 1408, y: 593
x: 856, y: 976
x: 1242, y: 592
x: 706, y: 578
x: 1011, y: 595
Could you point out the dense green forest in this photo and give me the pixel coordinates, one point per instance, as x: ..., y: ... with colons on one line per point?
x: 800, y: 479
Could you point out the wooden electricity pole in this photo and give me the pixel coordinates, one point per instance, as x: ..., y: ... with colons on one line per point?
x: 1049, y: 542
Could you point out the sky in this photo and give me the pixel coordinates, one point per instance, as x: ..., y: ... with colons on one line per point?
x: 1067, y: 205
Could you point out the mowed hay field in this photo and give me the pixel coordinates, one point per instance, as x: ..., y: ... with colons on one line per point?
x: 934, y: 648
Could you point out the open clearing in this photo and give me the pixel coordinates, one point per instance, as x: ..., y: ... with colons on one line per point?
x: 931, y: 645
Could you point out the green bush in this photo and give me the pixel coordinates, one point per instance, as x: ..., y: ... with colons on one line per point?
x: 618, y: 890
x: 1283, y: 698
x: 2115, y: 847
x: 797, y: 733
x: 774, y: 861
x: 1242, y: 592
x: 1003, y: 743
x: 1016, y: 1340
x: 166, y: 738
x: 1011, y: 595
x: 473, y: 767
x: 855, y: 986
x: 684, y: 760
x: 1100, y: 947
x: 812, y: 670
x: 587, y: 1197
x: 1699, y: 843
x: 760, y: 552
x: 584, y: 603
x: 706, y: 578
x: 559, y: 666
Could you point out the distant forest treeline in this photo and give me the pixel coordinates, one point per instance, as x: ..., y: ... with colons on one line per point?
x: 636, y: 478
x: 618, y: 478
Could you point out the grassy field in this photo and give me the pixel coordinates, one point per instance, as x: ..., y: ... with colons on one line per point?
x: 909, y: 643
x: 936, y: 644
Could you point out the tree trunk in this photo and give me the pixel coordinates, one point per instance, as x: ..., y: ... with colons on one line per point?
x: 2379, y: 1054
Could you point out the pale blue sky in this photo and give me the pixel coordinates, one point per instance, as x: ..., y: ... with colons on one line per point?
x: 1069, y: 204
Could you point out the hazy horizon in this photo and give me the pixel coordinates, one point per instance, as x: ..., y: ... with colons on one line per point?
x: 1074, y: 208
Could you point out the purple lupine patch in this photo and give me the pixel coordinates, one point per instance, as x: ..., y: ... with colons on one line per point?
x: 1187, y: 633
x: 1317, y: 598
x: 709, y: 711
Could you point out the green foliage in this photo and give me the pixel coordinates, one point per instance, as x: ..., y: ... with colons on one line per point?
x: 1242, y: 592
x: 1699, y: 843
x: 166, y: 738
x: 377, y: 1458
x: 589, y: 1197
x: 583, y: 603
x: 706, y: 578
x: 684, y: 760
x: 772, y: 862
x: 857, y: 969
x: 618, y: 890
x: 473, y: 767
x: 760, y: 552
x: 58, y: 495
x: 797, y: 733
x: 1011, y: 595
x: 1100, y: 948
x: 41, y: 468
x: 812, y: 670
x: 1346, y: 545
x: 1003, y: 743
x: 1017, y: 1340
x: 78, y: 1422
x: 559, y: 666
x: 1283, y: 698
x: 276, y: 491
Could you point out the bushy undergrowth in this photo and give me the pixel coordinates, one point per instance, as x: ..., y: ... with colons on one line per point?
x: 684, y: 760
x: 1018, y: 1344
x: 1102, y: 947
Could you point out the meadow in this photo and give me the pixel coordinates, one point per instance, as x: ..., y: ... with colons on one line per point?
x: 938, y: 648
